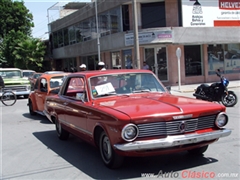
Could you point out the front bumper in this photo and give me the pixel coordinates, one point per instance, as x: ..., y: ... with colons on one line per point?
x: 172, y: 141
x: 19, y: 93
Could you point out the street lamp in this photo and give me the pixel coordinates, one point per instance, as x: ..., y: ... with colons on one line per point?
x: 98, y: 42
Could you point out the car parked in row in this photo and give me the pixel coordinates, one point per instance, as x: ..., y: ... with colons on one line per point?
x: 14, y: 81
x: 130, y: 113
x: 46, y: 84
x: 33, y: 78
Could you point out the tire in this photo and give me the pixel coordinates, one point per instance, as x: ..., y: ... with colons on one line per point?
x: 229, y: 100
x: 62, y: 133
x: 198, y: 151
x: 109, y: 156
x: 8, y: 98
x: 30, y: 106
x: 25, y: 96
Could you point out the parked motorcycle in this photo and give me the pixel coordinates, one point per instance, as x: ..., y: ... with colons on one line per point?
x: 217, y: 92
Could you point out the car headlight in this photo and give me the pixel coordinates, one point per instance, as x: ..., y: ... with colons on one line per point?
x: 221, y: 120
x: 130, y: 132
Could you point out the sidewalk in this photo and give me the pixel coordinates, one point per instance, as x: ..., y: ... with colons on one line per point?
x: 191, y: 87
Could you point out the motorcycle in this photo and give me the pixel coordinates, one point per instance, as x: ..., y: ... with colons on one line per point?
x: 217, y: 92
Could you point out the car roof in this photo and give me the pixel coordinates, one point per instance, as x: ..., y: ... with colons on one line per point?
x: 26, y: 70
x: 111, y: 71
x: 49, y: 76
x: 53, y: 72
x: 10, y: 69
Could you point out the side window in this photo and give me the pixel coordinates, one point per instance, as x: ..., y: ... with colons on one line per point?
x: 43, y: 85
x: 76, y: 88
x: 36, y: 84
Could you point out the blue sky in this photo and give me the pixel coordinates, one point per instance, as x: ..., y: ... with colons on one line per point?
x: 39, y: 9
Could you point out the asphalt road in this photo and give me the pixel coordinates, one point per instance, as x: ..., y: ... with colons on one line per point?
x: 30, y: 149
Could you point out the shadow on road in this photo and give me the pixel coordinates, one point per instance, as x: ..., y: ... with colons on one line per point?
x: 37, y: 117
x: 88, y: 160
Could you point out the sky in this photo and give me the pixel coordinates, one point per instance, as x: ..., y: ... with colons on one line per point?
x: 40, y: 10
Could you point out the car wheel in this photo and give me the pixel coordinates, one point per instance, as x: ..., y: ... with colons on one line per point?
x: 198, y: 151
x: 62, y: 133
x: 109, y: 156
x: 30, y: 106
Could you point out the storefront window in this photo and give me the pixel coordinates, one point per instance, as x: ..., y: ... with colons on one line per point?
x: 149, y: 58
x: 162, y: 64
x: 116, y: 60
x: 193, y: 60
x: 224, y: 57
x: 70, y: 65
x: 215, y: 58
x: 127, y: 56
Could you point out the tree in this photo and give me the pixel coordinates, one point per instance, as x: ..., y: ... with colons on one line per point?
x: 14, y: 16
x: 29, y: 54
x: 17, y: 47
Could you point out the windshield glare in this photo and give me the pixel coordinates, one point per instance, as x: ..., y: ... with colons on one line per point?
x: 56, y: 81
x: 10, y: 74
x: 124, y: 84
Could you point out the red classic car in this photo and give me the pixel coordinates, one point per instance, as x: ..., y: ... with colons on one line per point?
x: 46, y: 84
x: 130, y: 113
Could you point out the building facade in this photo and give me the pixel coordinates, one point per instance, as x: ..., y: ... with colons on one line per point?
x: 207, y: 33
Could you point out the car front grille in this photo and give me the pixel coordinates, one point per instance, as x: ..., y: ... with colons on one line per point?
x: 172, y: 128
x: 16, y: 88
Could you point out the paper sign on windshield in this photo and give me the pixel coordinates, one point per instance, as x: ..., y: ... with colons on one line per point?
x: 104, y: 88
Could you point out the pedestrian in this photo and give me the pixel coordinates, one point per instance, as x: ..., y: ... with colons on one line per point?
x: 101, y: 66
x: 83, y: 67
x: 2, y: 85
x: 145, y: 65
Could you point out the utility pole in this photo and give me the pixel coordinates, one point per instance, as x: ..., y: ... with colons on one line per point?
x: 136, y: 40
x: 98, y: 42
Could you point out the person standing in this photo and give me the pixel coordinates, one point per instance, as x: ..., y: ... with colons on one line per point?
x: 101, y: 66
x: 83, y: 67
x: 145, y: 65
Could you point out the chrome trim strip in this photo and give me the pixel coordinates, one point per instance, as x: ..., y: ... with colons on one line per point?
x: 172, y: 141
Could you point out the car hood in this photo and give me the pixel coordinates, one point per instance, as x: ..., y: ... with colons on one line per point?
x: 139, y: 107
x: 15, y: 81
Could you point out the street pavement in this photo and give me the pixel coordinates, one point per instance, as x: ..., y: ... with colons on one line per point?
x: 191, y: 87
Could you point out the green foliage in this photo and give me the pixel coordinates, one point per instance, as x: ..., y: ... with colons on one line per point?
x: 14, y: 16
x: 29, y: 54
x: 17, y: 47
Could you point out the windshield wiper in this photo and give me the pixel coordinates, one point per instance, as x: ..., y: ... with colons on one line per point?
x: 107, y: 94
x: 142, y: 90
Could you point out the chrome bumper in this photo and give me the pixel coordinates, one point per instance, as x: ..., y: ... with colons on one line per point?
x: 19, y: 93
x: 172, y: 141
x: 47, y: 115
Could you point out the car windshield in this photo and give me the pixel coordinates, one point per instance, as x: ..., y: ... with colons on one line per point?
x: 10, y: 74
x: 27, y: 73
x: 118, y: 84
x: 35, y: 76
x: 56, y: 81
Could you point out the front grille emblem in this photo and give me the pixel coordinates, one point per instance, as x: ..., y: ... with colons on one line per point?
x: 182, y: 127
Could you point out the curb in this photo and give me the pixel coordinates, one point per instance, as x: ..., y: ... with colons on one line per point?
x: 192, y: 90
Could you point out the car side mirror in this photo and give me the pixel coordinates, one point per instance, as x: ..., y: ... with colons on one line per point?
x: 43, y: 90
x: 80, y: 96
x: 55, y: 91
x: 168, y: 88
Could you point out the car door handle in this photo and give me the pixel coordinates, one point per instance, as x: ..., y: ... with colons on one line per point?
x: 65, y: 103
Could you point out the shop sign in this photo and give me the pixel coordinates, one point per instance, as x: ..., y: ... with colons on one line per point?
x: 149, y: 37
x: 206, y: 13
